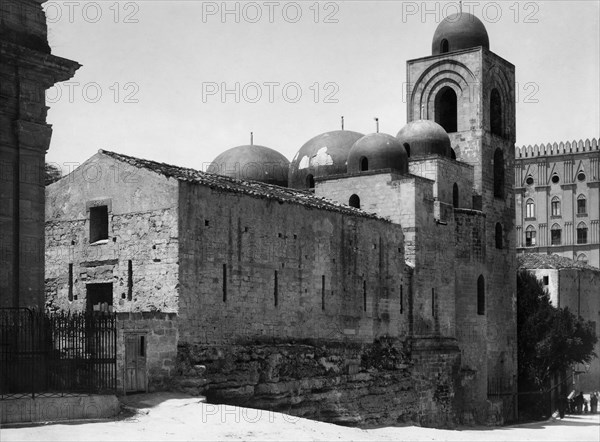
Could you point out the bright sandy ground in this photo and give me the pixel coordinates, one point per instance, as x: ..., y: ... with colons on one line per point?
x: 167, y: 417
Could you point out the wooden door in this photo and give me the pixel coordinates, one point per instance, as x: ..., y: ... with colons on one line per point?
x: 135, y: 362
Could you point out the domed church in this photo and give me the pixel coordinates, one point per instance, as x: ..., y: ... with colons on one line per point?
x: 447, y: 179
x: 369, y: 281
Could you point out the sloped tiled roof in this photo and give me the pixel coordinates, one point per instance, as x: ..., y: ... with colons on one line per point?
x: 251, y: 188
x: 541, y: 261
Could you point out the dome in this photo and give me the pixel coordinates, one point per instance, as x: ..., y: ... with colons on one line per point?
x: 252, y: 162
x: 377, y: 151
x: 460, y: 31
x: 321, y: 156
x: 424, y: 137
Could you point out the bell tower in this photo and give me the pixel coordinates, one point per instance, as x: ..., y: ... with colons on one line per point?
x: 470, y: 91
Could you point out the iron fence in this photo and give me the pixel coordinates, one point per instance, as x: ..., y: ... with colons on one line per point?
x: 56, y: 354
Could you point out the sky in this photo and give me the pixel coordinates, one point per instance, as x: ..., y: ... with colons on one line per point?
x: 181, y: 81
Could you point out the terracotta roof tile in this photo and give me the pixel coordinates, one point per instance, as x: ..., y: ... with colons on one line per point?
x: 541, y: 261
x: 251, y: 188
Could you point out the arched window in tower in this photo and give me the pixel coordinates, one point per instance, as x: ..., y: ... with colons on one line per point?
x: 582, y: 231
x: 480, y: 295
x: 407, y: 149
x: 581, y: 205
x: 556, y: 235
x: 496, y: 123
x: 530, y: 208
x: 498, y: 235
x: 364, y: 164
x: 445, y: 109
x: 354, y: 201
x: 444, y: 46
x: 310, y: 181
x: 499, y: 173
x: 455, y: 196
x: 555, y: 206
x: 530, y: 236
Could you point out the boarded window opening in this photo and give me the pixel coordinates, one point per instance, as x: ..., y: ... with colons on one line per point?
x: 98, y: 223
x: 480, y: 295
x: 446, y: 109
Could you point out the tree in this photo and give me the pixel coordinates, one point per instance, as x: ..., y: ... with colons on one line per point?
x: 51, y: 174
x: 549, y: 339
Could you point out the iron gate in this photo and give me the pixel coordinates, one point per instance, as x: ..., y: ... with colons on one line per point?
x: 55, y: 354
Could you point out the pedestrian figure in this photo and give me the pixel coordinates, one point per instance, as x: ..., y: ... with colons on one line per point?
x: 563, y: 404
x: 594, y: 403
x: 579, y: 400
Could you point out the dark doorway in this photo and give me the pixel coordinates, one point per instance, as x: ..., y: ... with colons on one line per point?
x: 99, y: 297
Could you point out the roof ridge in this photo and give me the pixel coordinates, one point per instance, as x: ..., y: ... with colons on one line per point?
x: 252, y: 188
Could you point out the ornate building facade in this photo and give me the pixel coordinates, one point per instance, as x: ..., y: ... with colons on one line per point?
x: 558, y: 200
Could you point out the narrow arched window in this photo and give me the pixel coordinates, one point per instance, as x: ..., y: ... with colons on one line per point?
x: 499, y: 173
x: 455, y: 195
x: 530, y: 235
x: 444, y: 46
x: 530, y: 209
x: 480, y: 295
x: 354, y: 201
x: 364, y: 164
x: 556, y: 235
x: 555, y: 206
x: 581, y: 205
x: 496, y: 123
x: 582, y: 231
x: 498, y: 235
x: 310, y: 181
x: 446, y: 109
x: 407, y: 149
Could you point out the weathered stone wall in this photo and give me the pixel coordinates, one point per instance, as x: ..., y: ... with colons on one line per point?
x: 161, y: 334
x: 26, y: 71
x: 255, y: 268
x: 142, y: 229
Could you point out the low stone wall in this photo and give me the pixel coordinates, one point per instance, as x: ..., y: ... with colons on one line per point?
x: 348, y: 384
x: 47, y: 409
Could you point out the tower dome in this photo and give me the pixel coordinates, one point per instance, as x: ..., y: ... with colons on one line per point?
x: 252, y: 162
x: 424, y: 137
x: 321, y: 156
x: 459, y: 31
x: 377, y: 151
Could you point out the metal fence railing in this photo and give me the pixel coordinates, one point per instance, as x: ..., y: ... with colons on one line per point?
x: 55, y: 354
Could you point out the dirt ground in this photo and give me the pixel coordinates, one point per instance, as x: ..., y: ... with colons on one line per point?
x: 169, y: 417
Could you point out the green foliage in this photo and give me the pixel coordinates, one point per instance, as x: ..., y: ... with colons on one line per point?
x: 549, y: 339
x: 51, y: 174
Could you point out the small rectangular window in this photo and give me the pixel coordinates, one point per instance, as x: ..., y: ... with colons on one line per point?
x: 98, y: 223
x: 545, y: 280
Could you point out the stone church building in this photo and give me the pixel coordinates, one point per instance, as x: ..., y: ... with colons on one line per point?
x: 371, y: 280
